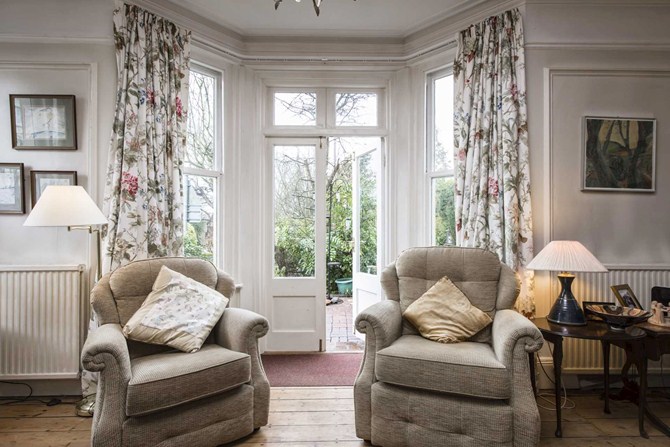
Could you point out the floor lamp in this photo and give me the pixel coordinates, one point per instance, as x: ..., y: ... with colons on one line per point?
x: 71, y: 207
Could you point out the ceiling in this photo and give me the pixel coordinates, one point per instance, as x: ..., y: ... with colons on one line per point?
x: 360, y: 18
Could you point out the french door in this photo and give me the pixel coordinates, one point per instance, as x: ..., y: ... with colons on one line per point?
x: 368, y: 177
x: 297, y: 254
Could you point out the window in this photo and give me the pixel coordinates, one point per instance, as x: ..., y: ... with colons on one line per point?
x: 203, y: 164
x: 440, y: 156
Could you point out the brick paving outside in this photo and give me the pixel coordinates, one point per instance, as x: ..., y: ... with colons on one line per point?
x: 340, y: 328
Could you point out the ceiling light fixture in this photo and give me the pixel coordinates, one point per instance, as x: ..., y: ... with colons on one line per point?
x: 316, y: 3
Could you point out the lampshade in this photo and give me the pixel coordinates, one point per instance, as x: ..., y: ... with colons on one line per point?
x: 566, y: 256
x: 65, y: 206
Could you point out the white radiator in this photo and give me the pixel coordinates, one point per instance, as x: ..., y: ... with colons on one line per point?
x: 41, y: 314
x: 585, y: 356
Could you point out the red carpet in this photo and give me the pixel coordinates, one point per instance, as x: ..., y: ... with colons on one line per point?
x: 312, y: 369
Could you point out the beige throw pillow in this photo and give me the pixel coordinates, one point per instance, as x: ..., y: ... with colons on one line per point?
x: 445, y: 314
x: 179, y: 312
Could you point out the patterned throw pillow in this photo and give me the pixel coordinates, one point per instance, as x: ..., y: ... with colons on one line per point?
x: 445, y: 314
x: 179, y: 312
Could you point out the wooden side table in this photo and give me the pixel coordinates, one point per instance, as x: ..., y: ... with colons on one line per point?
x: 555, y: 333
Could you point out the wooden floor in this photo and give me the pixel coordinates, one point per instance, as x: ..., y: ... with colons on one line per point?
x: 324, y: 417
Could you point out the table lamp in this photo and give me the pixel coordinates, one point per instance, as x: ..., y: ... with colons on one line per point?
x: 71, y: 207
x: 566, y: 257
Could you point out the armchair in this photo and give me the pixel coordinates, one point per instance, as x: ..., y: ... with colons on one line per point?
x: 412, y: 391
x: 150, y: 395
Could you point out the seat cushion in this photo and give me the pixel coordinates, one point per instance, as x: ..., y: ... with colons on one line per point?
x: 168, y: 379
x: 467, y: 368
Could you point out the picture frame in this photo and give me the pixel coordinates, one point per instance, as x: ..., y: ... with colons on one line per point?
x: 41, y: 179
x: 619, y: 154
x: 43, y: 122
x: 11, y: 189
x: 590, y: 316
x: 624, y: 294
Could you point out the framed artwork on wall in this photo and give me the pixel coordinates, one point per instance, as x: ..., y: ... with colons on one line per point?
x: 39, y: 180
x: 11, y: 189
x: 619, y: 154
x: 43, y: 122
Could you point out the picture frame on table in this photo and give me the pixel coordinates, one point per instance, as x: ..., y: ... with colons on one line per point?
x: 626, y: 297
x: 619, y: 154
x: 43, y: 122
x: 39, y: 180
x: 11, y: 189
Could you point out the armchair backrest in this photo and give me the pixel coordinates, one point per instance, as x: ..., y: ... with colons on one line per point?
x: 119, y: 294
x: 489, y: 284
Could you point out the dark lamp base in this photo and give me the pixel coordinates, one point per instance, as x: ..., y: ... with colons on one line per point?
x: 566, y: 310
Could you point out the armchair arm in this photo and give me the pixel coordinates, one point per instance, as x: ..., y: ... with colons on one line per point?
x: 107, y: 348
x: 511, y: 328
x: 382, y: 325
x: 106, y: 351
x: 239, y: 330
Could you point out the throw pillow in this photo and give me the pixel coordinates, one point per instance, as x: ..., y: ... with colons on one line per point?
x: 179, y: 312
x: 445, y: 314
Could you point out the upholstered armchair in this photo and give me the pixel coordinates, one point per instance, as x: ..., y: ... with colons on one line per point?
x: 151, y: 395
x: 415, y: 392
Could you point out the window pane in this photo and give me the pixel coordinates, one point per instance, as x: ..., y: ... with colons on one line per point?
x: 367, y: 174
x: 295, y: 109
x: 443, y: 153
x: 200, y: 229
x: 356, y: 109
x: 294, y: 210
x: 201, y: 121
x: 444, y: 221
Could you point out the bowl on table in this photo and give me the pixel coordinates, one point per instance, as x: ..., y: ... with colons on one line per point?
x: 619, y: 318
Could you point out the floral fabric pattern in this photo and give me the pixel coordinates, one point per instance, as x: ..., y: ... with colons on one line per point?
x: 184, y: 307
x: 143, y: 193
x: 492, y: 197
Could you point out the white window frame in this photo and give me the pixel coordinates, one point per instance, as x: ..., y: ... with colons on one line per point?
x: 431, y: 173
x: 217, y: 172
x: 325, y: 113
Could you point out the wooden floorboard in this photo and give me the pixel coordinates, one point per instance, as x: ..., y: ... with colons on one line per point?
x: 324, y: 417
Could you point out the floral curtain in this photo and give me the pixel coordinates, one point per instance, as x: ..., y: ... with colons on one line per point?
x: 143, y: 192
x: 492, y: 197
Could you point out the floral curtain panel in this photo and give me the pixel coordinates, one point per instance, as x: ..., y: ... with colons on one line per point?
x: 492, y: 197
x: 143, y: 192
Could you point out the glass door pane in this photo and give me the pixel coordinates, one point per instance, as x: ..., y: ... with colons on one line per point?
x: 294, y: 211
x: 367, y: 195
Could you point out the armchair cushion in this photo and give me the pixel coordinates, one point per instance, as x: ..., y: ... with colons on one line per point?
x: 169, y: 379
x: 467, y: 368
x: 444, y: 314
x: 179, y: 312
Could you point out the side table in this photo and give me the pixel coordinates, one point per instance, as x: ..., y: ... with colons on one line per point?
x: 555, y: 333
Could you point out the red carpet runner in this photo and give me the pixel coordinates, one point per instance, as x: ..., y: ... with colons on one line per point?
x: 312, y: 369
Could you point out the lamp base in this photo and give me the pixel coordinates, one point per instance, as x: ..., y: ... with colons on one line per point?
x: 566, y: 309
x: 86, y: 406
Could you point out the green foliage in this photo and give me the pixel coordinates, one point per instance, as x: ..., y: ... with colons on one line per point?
x: 445, y: 220
x: 193, y: 247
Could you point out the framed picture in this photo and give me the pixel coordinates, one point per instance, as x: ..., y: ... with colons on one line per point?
x: 619, y: 154
x: 625, y: 296
x: 39, y: 180
x: 43, y: 122
x: 590, y: 315
x: 11, y: 188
